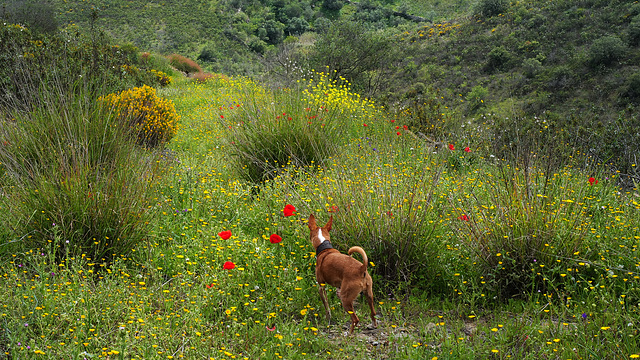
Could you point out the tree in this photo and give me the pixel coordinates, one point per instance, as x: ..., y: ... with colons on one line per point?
x: 348, y: 50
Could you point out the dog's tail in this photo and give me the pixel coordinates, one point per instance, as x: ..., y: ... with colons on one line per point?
x: 360, y: 251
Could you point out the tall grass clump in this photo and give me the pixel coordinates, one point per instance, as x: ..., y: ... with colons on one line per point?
x: 524, y: 227
x: 152, y: 120
x: 298, y: 127
x: 74, y: 181
x: 383, y: 190
x: 388, y: 204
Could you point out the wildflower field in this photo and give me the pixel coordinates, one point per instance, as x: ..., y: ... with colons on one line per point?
x: 472, y: 257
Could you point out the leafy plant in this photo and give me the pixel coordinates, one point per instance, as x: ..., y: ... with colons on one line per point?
x: 489, y: 8
x: 606, y: 50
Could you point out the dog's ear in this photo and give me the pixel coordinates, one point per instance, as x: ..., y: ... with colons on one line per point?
x: 312, y: 222
x: 327, y: 226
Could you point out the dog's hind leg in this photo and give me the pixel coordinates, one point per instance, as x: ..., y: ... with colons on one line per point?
x: 369, y: 294
x: 323, y: 297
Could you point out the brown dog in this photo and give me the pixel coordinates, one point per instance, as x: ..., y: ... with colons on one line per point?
x: 342, y: 271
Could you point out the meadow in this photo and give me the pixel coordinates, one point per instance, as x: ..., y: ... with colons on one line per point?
x: 473, y: 257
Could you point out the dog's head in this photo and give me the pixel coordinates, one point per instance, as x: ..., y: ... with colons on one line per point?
x: 319, y: 234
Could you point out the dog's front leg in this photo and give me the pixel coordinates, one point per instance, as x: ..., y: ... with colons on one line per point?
x: 323, y: 297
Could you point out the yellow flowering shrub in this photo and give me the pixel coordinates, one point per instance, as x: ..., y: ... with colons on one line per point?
x: 154, y: 120
x: 162, y: 78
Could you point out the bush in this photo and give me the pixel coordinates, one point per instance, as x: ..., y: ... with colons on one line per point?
x: 489, y: 8
x: 152, y: 120
x: 632, y: 88
x: 476, y: 97
x: 606, y: 50
x: 498, y: 58
x: 160, y: 77
x: 184, y: 64
x: 633, y: 31
x: 75, y: 184
x: 348, y: 50
x: 531, y: 67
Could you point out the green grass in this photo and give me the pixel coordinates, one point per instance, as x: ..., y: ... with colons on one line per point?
x: 390, y: 193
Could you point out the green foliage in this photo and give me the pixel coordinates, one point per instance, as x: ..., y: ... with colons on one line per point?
x: 67, y: 59
x: 348, y: 50
x: 74, y: 181
x: 489, y: 8
x: 606, y: 50
x: 36, y: 15
x: 332, y: 5
x: 632, y: 91
x: 476, y: 97
x: 531, y: 67
x: 633, y: 32
x: 498, y: 58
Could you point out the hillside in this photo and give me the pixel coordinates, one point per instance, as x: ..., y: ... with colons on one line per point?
x: 572, y: 64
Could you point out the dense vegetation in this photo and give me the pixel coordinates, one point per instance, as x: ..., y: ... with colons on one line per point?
x: 154, y: 208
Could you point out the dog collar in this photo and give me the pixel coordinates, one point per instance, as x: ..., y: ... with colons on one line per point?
x: 322, y: 247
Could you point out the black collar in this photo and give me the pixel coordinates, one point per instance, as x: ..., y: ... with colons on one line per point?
x: 323, y: 246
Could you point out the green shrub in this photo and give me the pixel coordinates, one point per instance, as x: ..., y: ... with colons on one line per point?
x: 75, y: 184
x: 332, y: 5
x: 632, y: 88
x: 531, y: 67
x: 489, y: 8
x: 498, y: 58
x: 606, y: 50
x: 184, y: 64
x: 476, y: 97
x: 633, y: 31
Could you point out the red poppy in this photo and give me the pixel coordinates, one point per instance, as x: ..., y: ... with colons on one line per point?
x: 275, y: 238
x: 221, y: 116
x: 210, y: 286
x: 270, y: 328
x: 389, y: 213
x: 397, y: 127
x: 334, y: 209
x: 229, y: 265
x: 451, y: 147
x: 405, y: 127
x: 288, y: 210
x: 592, y: 181
x: 393, y: 121
x: 225, y: 234
x: 398, y: 133
x: 464, y: 217
x: 364, y: 125
x: 467, y: 149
